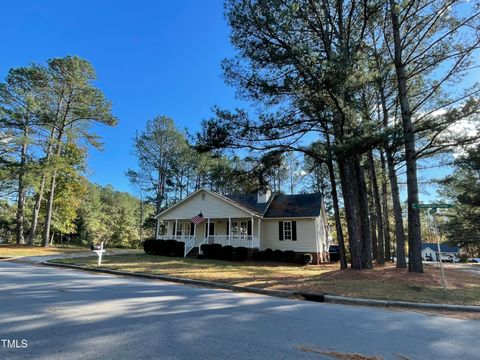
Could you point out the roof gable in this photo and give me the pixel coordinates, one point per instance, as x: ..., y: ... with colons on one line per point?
x: 214, y: 206
x: 278, y: 206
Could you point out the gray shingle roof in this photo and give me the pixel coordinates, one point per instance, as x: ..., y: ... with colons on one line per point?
x: 301, y: 205
x: 444, y: 248
x: 248, y: 201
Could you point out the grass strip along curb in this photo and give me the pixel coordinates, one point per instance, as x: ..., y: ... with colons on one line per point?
x: 309, y: 296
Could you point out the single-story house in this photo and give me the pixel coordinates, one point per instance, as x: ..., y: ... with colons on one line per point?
x: 430, y: 251
x: 260, y: 220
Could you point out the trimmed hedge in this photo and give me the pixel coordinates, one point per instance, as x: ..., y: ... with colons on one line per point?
x: 148, y: 246
x: 278, y: 255
x: 179, y: 249
x: 240, y: 253
x: 268, y: 254
x: 164, y: 247
x: 289, y: 255
x: 216, y: 251
x: 227, y: 252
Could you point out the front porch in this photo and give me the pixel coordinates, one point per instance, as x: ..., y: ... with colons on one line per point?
x: 226, y: 231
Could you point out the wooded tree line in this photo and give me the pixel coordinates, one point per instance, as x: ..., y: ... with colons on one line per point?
x: 170, y: 168
x: 46, y: 114
x: 462, y: 188
x: 380, y: 85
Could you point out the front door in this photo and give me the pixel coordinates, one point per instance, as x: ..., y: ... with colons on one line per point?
x: 212, y: 229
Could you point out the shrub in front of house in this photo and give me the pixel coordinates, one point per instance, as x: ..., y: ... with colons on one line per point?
x: 169, y: 247
x: 254, y: 254
x: 289, y: 255
x: 258, y: 256
x: 278, y: 255
x: 227, y: 252
x: 216, y: 251
x: 148, y: 246
x: 240, y: 253
x: 268, y: 253
x: 212, y: 251
x: 179, y: 249
x: 205, y: 249
x: 156, y: 247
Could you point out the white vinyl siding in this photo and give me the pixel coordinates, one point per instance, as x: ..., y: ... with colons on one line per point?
x: 211, y: 207
x: 306, y: 236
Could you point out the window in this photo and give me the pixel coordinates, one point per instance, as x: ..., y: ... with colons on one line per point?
x: 239, y: 228
x: 287, y: 230
x: 183, y: 228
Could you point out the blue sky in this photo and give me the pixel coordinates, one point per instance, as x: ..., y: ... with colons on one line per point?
x: 151, y: 57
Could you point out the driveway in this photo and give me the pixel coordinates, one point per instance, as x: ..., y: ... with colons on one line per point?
x: 68, y: 314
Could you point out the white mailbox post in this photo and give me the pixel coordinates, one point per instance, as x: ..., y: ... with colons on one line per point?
x: 99, y: 253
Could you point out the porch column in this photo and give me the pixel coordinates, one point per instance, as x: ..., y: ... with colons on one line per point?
x: 176, y: 229
x: 258, y: 232
x: 208, y: 231
x: 252, y: 230
x: 230, y: 231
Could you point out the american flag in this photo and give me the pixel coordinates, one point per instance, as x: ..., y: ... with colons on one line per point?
x: 198, y: 219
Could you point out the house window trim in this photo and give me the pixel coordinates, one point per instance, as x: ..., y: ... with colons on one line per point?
x: 239, y: 228
x: 290, y: 237
x: 183, y: 228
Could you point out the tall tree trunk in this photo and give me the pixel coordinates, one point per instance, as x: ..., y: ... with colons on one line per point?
x: 336, y: 208
x: 51, y: 195
x: 49, y: 210
x: 386, y: 222
x: 41, y: 190
x: 349, y: 191
x: 20, y: 216
x: 364, y: 219
x: 378, y: 210
x: 392, y: 176
x: 356, y: 211
x: 373, y: 220
x: 414, y: 229
x: 160, y: 196
x: 397, y: 211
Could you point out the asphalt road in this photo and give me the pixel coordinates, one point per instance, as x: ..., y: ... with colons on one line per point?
x: 68, y: 314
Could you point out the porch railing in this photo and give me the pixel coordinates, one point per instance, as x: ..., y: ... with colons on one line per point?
x: 189, y: 245
x: 248, y: 241
x: 174, y: 237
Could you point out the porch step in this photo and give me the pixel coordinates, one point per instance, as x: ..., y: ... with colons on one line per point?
x: 193, y: 253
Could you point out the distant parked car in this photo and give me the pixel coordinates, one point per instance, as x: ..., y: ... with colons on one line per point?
x: 449, y: 258
x: 334, y: 252
x: 474, y: 260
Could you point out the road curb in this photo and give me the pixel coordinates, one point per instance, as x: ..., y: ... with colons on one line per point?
x: 309, y: 296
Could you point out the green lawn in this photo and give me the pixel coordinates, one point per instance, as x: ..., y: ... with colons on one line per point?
x: 381, y: 283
